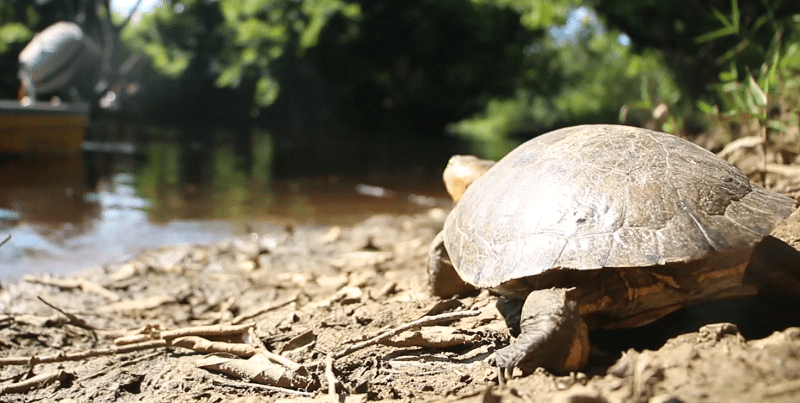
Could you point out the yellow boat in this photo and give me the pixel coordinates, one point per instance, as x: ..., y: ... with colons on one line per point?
x: 42, y: 127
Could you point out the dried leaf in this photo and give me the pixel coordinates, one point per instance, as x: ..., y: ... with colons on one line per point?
x: 334, y: 234
x: 258, y: 369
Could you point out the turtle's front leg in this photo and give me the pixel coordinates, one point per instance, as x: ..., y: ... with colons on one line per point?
x: 443, y: 279
x: 553, y: 335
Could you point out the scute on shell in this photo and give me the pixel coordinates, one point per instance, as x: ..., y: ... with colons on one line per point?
x: 595, y: 196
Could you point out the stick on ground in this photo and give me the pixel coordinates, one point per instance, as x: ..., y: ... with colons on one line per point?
x: 37, y: 381
x: 331, y: 378
x: 73, y: 320
x: 212, y: 330
x: 264, y: 309
x: 256, y: 342
x: 245, y: 385
x: 82, y: 355
x: 426, y: 320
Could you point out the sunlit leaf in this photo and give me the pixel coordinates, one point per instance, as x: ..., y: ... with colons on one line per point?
x: 729, y: 26
x: 759, y: 97
x: 230, y: 76
x: 13, y: 33
x: 716, y: 34
x: 706, y: 107
x: 791, y: 58
x: 729, y: 75
x: 777, y: 125
x: 267, y: 89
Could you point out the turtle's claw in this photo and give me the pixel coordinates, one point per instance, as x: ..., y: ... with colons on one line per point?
x: 502, y: 373
x: 501, y: 376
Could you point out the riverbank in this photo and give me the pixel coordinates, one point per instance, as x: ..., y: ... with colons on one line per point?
x: 200, y: 323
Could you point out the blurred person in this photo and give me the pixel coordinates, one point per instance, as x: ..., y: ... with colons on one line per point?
x: 62, y: 62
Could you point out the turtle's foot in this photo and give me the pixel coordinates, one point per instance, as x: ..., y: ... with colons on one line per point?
x: 553, y: 335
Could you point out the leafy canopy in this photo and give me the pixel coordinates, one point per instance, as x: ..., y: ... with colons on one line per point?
x: 241, y: 40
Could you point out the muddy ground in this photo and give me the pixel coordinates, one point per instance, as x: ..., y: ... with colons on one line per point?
x: 304, y: 313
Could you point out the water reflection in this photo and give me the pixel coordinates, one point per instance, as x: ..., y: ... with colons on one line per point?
x: 82, y: 210
x: 67, y: 223
x: 220, y: 182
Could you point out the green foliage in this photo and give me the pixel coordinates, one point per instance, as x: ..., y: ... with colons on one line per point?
x: 488, y: 131
x: 558, y: 89
x: 537, y: 14
x: 658, y: 91
x: 730, y: 26
x: 698, y: 39
x: 318, y: 13
x: 768, y: 94
x: 673, y: 61
x: 12, y: 31
x: 251, y: 37
x: 168, y: 37
x: 415, y: 66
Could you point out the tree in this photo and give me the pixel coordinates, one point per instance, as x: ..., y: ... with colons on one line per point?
x: 416, y: 65
x: 238, y: 42
x: 700, y: 38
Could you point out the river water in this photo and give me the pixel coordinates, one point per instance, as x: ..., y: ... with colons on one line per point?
x: 69, y: 212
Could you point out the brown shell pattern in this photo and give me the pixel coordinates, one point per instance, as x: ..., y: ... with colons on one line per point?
x: 596, y: 196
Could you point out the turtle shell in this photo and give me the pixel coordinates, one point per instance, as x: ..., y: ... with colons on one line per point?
x: 596, y: 196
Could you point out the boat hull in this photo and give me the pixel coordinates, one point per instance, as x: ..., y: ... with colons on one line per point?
x: 42, y: 127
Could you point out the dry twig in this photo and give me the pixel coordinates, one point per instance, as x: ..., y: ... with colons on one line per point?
x: 426, y: 320
x: 790, y: 171
x: 35, y: 382
x: 255, y: 340
x: 276, y: 358
x: 214, y: 330
x: 331, y: 378
x: 740, y: 143
x: 141, y: 304
x: 81, y: 355
x: 74, y: 283
x: 246, y: 385
x: 264, y: 309
x: 201, y: 345
x: 73, y: 320
x: 781, y: 389
x: 194, y: 343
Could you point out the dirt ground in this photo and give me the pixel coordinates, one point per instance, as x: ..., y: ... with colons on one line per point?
x: 310, y: 313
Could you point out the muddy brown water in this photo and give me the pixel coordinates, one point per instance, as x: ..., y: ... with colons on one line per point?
x: 69, y: 212
x: 65, y: 224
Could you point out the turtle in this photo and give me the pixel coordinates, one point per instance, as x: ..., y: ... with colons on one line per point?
x: 600, y: 226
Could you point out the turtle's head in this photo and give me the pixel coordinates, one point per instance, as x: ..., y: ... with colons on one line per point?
x: 461, y: 171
